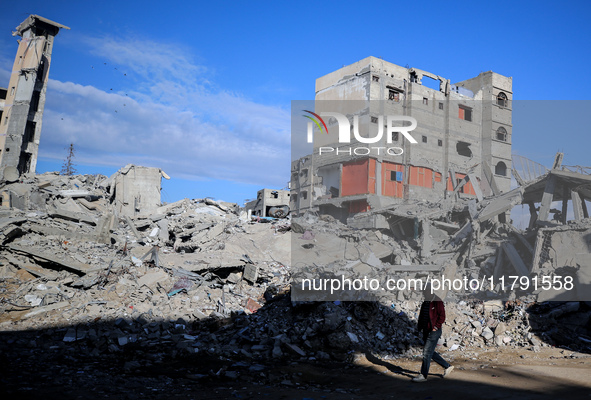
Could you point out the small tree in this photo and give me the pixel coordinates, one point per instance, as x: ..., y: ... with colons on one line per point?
x: 68, y: 168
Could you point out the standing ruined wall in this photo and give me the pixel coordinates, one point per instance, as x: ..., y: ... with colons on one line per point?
x: 137, y: 190
x: 20, y: 128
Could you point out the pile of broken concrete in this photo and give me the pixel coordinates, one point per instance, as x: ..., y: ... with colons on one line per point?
x: 199, y: 277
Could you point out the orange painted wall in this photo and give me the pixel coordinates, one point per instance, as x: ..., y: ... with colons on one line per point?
x: 355, y: 178
x: 420, y: 176
x: 371, y: 184
x: 391, y: 187
x: 467, y: 188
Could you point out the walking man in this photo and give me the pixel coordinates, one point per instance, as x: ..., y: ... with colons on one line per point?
x: 431, y: 318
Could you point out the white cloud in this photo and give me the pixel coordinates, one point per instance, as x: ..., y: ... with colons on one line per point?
x: 171, y: 118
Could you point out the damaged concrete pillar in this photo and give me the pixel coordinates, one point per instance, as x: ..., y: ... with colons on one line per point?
x: 565, y: 193
x: 476, y: 186
x: 533, y: 214
x: 426, y: 242
x: 515, y: 259
x: 577, y: 205
x: 547, y: 198
x: 584, y: 204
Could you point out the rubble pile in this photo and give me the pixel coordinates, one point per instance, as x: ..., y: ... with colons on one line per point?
x: 517, y: 324
x: 200, y: 277
x: 67, y: 259
x: 462, y: 239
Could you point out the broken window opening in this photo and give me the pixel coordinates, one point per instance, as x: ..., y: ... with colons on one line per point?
x: 430, y: 82
x: 463, y: 149
x: 39, y: 31
x: 375, y: 78
x: 465, y: 113
x: 35, y: 101
x: 501, y: 169
x: 424, y: 139
x: 24, y: 164
x: 425, y: 101
x: 12, y: 91
x: 274, y: 194
x: 394, y: 136
x: 374, y: 120
x: 393, y: 95
x: 334, y: 192
x: 29, y: 132
x: 40, y: 71
x: 439, y: 142
x: 502, y: 134
x: 502, y: 99
x: 441, y: 105
x: 304, y: 195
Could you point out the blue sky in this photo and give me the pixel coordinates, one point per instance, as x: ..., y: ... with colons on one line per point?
x: 203, y: 89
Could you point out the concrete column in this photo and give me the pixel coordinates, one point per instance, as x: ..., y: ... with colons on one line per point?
x: 565, y: 192
x: 533, y: 214
x: 547, y: 198
x: 577, y: 206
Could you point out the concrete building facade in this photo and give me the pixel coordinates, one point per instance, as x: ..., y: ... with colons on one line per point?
x: 20, y: 127
x: 463, y: 132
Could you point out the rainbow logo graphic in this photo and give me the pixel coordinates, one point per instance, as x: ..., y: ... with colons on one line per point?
x: 317, y: 122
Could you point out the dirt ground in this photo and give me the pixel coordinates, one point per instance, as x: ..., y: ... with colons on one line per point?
x: 62, y: 373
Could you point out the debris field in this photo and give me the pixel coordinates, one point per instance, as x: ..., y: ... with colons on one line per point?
x: 83, y: 284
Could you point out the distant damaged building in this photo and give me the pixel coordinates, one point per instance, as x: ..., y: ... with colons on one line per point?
x: 270, y: 203
x: 463, y: 139
x: 24, y: 100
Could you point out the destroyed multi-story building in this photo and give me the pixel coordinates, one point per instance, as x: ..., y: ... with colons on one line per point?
x: 24, y: 100
x: 464, y: 139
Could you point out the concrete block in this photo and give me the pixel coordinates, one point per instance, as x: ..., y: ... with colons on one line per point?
x: 487, y: 333
x: 251, y: 273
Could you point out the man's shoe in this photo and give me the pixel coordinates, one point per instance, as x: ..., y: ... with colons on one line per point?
x: 448, y: 371
x: 419, y: 378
